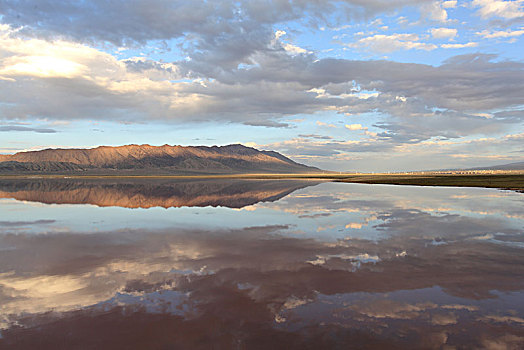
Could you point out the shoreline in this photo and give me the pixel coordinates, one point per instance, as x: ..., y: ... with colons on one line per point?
x: 504, y: 181
x: 510, y: 182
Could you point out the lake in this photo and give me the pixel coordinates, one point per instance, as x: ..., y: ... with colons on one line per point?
x: 258, y: 264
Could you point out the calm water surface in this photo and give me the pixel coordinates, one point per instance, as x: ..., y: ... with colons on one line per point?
x: 254, y: 264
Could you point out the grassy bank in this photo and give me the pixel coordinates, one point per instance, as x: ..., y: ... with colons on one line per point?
x: 502, y: 181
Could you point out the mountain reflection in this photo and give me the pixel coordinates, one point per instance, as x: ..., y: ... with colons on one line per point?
x: 148, y: 193
x: 446, y: 278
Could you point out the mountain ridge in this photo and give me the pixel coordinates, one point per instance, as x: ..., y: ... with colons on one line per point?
x: 507, y: 166
x: 233, y: 158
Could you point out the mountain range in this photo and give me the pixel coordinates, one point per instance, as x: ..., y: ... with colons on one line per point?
x: 146, y: 159
x: 510, y: 166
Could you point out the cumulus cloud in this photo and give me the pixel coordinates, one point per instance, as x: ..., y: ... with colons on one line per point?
x: 443, y: 33
x: 397, y: 152
x: 501, y: 34
x: 459, y: 46
x: 354, y: 127
x: 499, y: 8
x: 243, y: 67
x: 436, y: 11
x: 388, y: 43
x: 122, y: 22
x: 99, y: 86
x: 319, y: 123
x: 449, y: 4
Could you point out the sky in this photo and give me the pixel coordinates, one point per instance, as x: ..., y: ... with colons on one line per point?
x: 345, y: 85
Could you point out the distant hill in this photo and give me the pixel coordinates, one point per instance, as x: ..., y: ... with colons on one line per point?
x: 146, y: 159
x: 510, y: 166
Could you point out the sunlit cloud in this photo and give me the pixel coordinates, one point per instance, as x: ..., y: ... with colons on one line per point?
x: 391, y: 69
x: 459, y: 46
x: 354, y: 127
x: 500, y: 8
x: 389, y: 43
x: 443, y: 33
x: 501, y: 34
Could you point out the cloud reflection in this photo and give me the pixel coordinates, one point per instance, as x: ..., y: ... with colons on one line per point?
x: 259, y: 286
x: 221, y: 273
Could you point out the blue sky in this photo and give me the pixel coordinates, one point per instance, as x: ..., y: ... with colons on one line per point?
x: 344, y: 85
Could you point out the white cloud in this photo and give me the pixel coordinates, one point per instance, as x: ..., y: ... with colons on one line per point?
x: 319, y: 123
x: 449, y: 4
x: 402, y: 20
x: 102, y: 87
x: 377, y: 22
x: 293, y: 49
x: 459, y: 46
x: 362, y: 95
x: 90, y: 79
x: 244, y: 68
x: 39, y: 58
x: 290, y: 48
x: 249, y: 144
x: 435, y: 12
x: 443, y: 33
x: 279, y: 33
x: 501, y: 33
x: 500, y: 8
x: 41, y: 66
x: 394, y: 42
x: 354, y: 127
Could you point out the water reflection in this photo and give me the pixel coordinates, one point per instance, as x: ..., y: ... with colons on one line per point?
x: 148, y: 193
x: 395, y: 267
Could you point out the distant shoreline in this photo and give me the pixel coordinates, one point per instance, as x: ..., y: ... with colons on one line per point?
x: 506, y: 181
x: 513, y: 182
